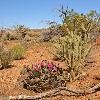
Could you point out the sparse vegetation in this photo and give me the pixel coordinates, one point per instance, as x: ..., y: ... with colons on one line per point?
x: 72, y: 50
x: 52, y: 32
x: 21, y: 31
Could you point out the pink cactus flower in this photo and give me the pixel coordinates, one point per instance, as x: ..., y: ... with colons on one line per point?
x: 54, y: 69
x: 50, y: 66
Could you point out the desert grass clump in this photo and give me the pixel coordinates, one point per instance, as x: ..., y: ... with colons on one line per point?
x: 18, y: 51
x: 5, y: 57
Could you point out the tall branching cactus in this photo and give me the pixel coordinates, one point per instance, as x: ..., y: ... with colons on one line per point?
x: 75, y: 46
x: 74, y: 51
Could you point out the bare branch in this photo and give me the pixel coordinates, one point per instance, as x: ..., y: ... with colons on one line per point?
x: 57, y: 91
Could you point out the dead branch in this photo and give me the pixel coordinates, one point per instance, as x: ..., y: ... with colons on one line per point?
x: 57, y: 91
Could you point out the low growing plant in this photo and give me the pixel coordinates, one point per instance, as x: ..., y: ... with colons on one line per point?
x: 42, y: 76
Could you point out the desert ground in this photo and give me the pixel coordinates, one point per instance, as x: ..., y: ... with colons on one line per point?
x: 41, y: 51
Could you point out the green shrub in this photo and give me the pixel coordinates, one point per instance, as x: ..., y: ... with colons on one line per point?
x: 5, y: 57
x: 18, y: 52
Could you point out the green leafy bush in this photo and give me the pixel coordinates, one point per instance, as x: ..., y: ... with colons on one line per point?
x: 18, y: 52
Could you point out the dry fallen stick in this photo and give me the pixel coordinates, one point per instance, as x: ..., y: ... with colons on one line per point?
x: 56, y: 92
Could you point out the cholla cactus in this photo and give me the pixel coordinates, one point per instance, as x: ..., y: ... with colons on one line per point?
x: 74, y: 47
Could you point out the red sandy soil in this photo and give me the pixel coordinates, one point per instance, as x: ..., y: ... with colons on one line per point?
x: 8, y: 77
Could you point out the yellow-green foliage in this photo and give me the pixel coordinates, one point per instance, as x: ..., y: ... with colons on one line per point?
x: 75, y: 45
x: 74, y: 21
x: 18, y: 52
x: 73, y: 49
